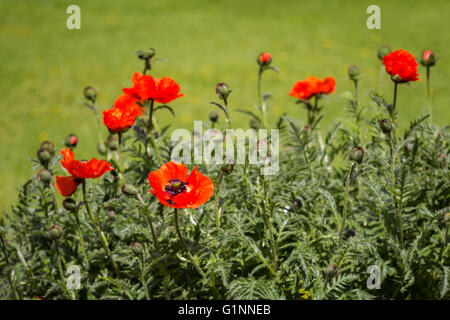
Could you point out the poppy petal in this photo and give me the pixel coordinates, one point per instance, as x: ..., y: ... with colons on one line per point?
x: 67, y: 185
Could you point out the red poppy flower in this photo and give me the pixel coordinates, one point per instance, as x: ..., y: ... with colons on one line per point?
x: 312, y: 86
x: 327, y: 85
x: 175, y: 189
x: 166, y: 90
x: 401, y: 64
x: 128, y: 102
x: 78, y: 171
x: 119, y: 120
x: 146, y: 87
x: 143, y: 88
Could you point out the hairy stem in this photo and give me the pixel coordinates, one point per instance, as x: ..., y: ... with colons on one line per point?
x: 99, y: 231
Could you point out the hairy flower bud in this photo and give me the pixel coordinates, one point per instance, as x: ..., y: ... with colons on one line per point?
x: 69, y: 204
x: 264, y: 59
x: 350, y: 233
x: 90, y: 93
x: 136, y: 248
x: 213, y: 116
x: 331, y: 271
x: 386, y: 126
x: 110, y: 215
x: 357, y: 154
x: 227, y: 168
x: 146, y: 53
x: 44, y: 156
x: 71, y: 141
x: 353, y: 73
x: 222, y: 90
x: 54, y: 232
x: 383, y: 51
x: 44, y: 176
x: 129, y: 190
x: 427, y: 59
x: 49, y: 146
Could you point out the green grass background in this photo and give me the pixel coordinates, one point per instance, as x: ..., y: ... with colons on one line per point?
x: 44, y: 66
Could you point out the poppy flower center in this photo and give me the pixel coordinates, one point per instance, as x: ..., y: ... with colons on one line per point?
x: 175, y: 186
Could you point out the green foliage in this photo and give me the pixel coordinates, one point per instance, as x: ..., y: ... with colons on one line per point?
x: 312, y: 231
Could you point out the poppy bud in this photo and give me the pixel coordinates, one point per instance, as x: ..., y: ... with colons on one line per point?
x: 129, y: 190
x: 357, y: 154
x: 90, y: 93
x: 44, y: 176
x: 222, y: 91
x: 71, y: 141
x: 44, y: 156
x: 213, y: 116
x: 113, y: 143
x: 331, y: 271
x: 54, y: 232
x: 350, y: 233
x: 227, y: 168
x: 110, y: 215
x: 136, y: 248
x: 264, y: 59
x: 146, y: 53
x: 353, y: 73
x: 49, y: 146
x: 383, y: 51
x: 386, y: 126
x: 427, y: 59
x: 69, y: 204
x: 297, y: 203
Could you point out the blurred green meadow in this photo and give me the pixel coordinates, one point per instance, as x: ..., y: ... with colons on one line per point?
x: 44, y: 66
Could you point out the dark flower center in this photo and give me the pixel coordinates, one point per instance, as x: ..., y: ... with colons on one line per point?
x: 175, y: 187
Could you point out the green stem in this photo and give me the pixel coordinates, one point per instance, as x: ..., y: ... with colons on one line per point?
x: 262, y: 104
x: 270, y: 226
x: 61, y: 272
x: 216, y: 199
x: 429, y: 94
x: 356, y: 93
x: 149, y: 221
x: 147, y: 295
x: 119, y: 149
x: 345, y: 209
x: 150, y: 133
x: 394, y: 105
x: 99, y: 231
x: 80, y: 236
x: 227, y: 114
x: 44, y: 200
x: 180, y: 237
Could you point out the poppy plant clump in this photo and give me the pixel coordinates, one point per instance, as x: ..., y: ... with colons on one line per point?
x: 362, y: 193
x: 174, y: 188
x: 78, y: 170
